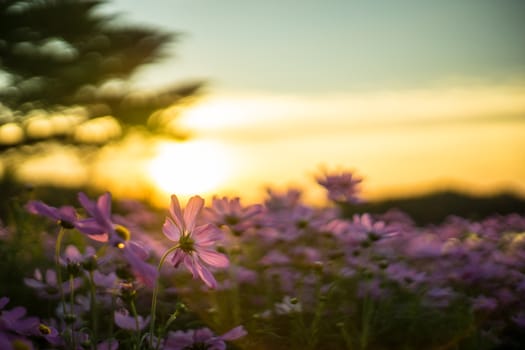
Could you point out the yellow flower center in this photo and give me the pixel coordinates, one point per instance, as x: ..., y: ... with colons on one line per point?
x: 45, y: 330
x: 122, y: 232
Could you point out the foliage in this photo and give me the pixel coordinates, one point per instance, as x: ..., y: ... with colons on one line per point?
x: 58, y: 55
x: 299, y: 277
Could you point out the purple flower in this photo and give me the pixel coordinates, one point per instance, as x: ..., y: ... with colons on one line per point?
x: 103, y: 281
x: 439, y: 297
x: 47, y: 285
x: 342, y: 188
x: 50, y: 334
x: 230, y: 213
x: 136, y: 256
x: 66, y: 216
x: 405, y: 275
x: 519, y: 319
x: 125, y: 321
x: 202, y: 338
x: 194, y: 243
x: 16, y: 327
x: 274, y: 257
x: 84, y: 338
x: 111, y: 344
x: 483, y: 303
x: 73, y: 255
x: 100, y: 226
x: 15, y: 320
x: 279, y: 201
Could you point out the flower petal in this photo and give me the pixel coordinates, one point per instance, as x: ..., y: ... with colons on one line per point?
x: 205, y: 275
x: 213, y: 258
x: 104, y: 204
x: 234, y: 333
x: 171, y: 230
x: 189, y: 262
x: 143, y: 271
x: 86, y: 203
x: 177, y: 257
x: 176, y: 212
x: 191, y: 211
x: 206, y: 235
x: 3, y: 302
x: 91, y: 228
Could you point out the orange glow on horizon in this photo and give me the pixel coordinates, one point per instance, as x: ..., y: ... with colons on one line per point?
x: 469, y: 140
x: 401, y: 142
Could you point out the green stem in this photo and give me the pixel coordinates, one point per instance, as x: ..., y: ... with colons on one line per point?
x: 366, y: 322
x: 314, y: 327
x: 344, y: 333
x: 156, y: 292
x: 71, y: 306
x: 137, y: 324
x: 58, y: 243
x: 94, y: 311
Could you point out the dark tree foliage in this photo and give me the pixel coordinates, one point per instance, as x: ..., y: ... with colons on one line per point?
x: 58, y: 53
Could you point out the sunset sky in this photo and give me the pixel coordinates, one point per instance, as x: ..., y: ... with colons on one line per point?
x: 413, y: 95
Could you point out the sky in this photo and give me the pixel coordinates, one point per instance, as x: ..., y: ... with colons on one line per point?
x: 412, y: 95
x: 311, y: 47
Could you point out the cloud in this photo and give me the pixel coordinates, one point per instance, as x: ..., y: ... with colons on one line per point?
x: 260, y: 115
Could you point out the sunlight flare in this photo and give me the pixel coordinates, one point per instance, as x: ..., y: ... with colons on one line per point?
x: 192, y: 167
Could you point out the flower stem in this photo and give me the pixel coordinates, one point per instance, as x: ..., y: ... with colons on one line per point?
x: 58, y: 243
x: 93, y: 304
x: 71, y: 307
x: 366, y: 319
x: 137, y: 325
x: 156, y: 292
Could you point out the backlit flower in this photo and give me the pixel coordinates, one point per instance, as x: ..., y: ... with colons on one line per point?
x: 101, y: 227
x: 195, y: 243
x: 342, y: 188
x: 46, y: 285
x: 66, y: 216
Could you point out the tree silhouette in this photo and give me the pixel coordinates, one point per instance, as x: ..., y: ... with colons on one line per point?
x: 57, y: 54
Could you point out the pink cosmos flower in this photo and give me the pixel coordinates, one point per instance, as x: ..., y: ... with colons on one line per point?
x: 194, y: 243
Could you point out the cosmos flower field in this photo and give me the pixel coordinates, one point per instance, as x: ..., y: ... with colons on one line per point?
x: 106, y: 274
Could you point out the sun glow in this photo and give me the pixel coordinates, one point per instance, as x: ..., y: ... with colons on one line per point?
x: 192, y: 167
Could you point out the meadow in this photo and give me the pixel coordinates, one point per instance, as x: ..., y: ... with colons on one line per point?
x: 101, y: 273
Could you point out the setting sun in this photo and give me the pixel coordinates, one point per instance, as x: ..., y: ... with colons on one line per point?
x: 193, y: 167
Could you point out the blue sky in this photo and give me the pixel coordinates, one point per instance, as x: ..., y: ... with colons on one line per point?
x: 307, y: 46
